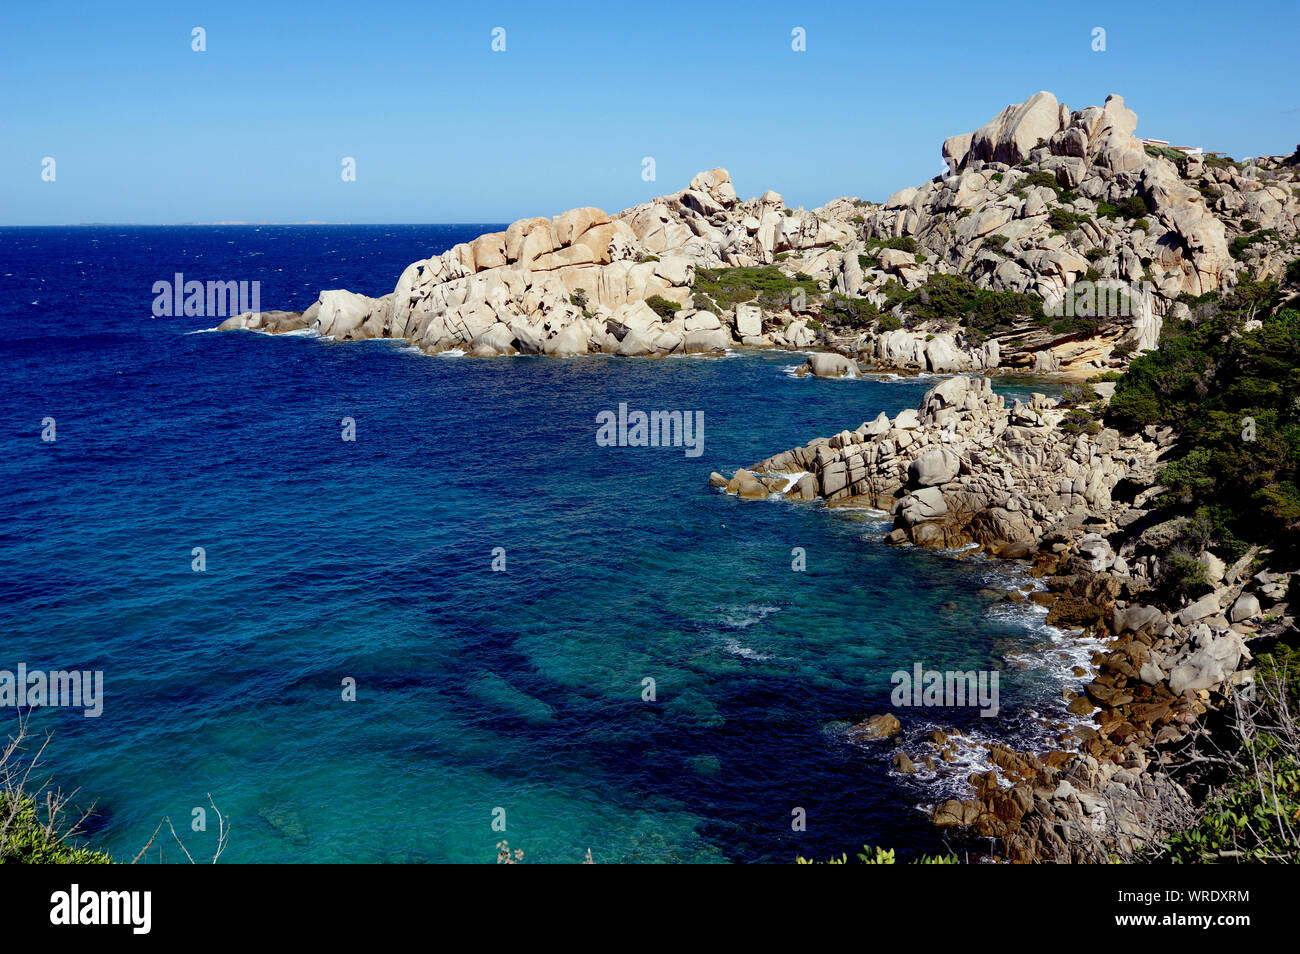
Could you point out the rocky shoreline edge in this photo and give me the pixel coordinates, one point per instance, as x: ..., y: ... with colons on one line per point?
x: 1001, y: 262
x: 1056, y: 240
x: 966, y: 468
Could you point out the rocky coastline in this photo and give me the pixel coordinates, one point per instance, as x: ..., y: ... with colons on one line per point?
x: 973, y: 272
x: 1036, y: 204
x: 966, y: 468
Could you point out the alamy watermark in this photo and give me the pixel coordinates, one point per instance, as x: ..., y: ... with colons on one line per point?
x: 197, y: 299
x: 75, y: 689
x: 929, y: 687
x: 654, y: 429
x: 125, y: 908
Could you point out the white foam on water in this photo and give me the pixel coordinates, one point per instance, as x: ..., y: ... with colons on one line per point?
x: 705, y: 355
x: 743, y: 617
x: 877, y: 515
x: 1032, y: 724
x: 1051, y: 650
x: 792, y: 481
x: 734, y: 647
x: 949, y: 779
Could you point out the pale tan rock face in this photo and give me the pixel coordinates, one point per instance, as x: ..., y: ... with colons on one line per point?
x: 489, y: 250
x: 965, y: 466
x: 1010, y: 135
x: 568, y: 226
x: 982, y: 220
x: 344, y: 314
x: 955, y: 150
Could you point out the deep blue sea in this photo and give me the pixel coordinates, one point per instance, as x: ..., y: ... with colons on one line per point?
x: 371, y: 560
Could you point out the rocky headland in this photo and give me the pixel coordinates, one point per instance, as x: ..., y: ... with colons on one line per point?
x: 963, y: 468
x: 974, y: 270
x: 1056, y: 242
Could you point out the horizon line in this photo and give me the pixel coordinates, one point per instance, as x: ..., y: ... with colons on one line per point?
x: 181, y: 225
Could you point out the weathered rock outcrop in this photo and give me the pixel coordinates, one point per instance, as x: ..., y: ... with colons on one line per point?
x: 1029, y: 205
x: 1047, y: 201
x: 964, y: 467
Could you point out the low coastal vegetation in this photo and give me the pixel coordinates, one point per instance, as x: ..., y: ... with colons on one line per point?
x: 39, y: 825
x: 879, y: 856
x: 1252, y: 813
x: 29, y: 835
x: 1227, y: 380
x: 722, y: 289
x: 948, y: 297
x: 36, y: 823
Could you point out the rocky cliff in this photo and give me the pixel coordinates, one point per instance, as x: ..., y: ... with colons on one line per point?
x: 1036, y: 201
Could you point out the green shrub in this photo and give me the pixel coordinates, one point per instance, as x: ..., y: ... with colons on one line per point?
x: 1230, y: 395
x: 904, y: 243
x: 889, y: 323
x: 1066, y: 220
x: 721, y: 289
x: 1040, y: 178
x: 956, y: 298
x: 1046, y: 180
x: 1075, y: 394
x: 879, y: 856
x: 1293, y: 272
x: 1164, y: 152
x: 1129, y: 207
x: 1243, y: 822
x: 1079, y: 421
x: 1242, y: 242
x: 1183, y: 578
x: 662, y: 307
x: 28, y: 841
x: 1122, y: 349
x: 853, y: 312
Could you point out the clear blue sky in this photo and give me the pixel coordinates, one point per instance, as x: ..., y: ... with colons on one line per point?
x: 443, y: 129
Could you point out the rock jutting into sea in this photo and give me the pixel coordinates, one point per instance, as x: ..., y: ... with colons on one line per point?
x: 966, y: 467
x: 1061, y: 207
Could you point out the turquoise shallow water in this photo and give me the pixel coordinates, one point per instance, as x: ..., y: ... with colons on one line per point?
x: 476, y: 690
